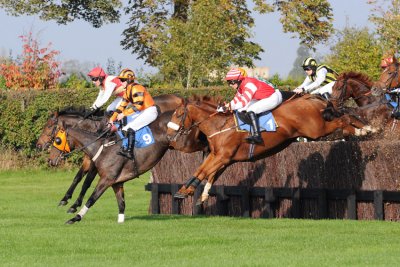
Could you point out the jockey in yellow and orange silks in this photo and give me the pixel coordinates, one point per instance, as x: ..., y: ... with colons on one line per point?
x: 253, y: 96
x: 141, y: 106
x: 108, y: 85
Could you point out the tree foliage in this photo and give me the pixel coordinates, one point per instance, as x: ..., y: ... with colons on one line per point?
x: 310, y: 19
x: 37, y: 67
x: 216, y: 32
x: 386, y: 18
x: 355, y: 50
x: 96, y: 12
x: 213, y: 36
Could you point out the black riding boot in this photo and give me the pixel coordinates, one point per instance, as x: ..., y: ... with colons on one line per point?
x: 326, y: 96
x: 255, y: 137
x: 128, y: 152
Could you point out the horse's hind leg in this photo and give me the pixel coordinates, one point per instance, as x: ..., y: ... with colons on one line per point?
x: 86, y: 184
x: 119, y: 194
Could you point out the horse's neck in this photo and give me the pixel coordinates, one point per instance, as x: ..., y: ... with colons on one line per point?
x: 209, y: 124
x: 84, y: 140
x: 80, y: 122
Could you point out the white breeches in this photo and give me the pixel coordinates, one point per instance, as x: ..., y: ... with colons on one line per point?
x: 269, y: 103
x: 113, y: 106
x: 327, y: 88
x: 142, y: 119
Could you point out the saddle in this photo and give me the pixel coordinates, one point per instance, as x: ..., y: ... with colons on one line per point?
x: 393, y: 98
x: 266, y: 121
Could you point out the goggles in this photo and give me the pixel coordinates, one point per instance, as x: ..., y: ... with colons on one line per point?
x: 232, y: 82
x: 307, y: 68
x: 123, y: 79
x: 95, y: 79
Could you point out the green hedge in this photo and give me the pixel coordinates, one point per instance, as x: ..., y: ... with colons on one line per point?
x: 23, y: 114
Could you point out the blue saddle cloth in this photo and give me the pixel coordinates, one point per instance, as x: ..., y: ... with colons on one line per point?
x: 266, y: 121
x: 392, y: 100
x: 143, y: 137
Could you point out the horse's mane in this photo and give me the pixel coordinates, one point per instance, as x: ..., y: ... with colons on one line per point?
x: 356, y: 75
x: 216, y: 100
x: 81, y: 111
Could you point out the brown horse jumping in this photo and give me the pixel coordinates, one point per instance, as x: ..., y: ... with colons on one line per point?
x: 373, y: 108
x: 295, y: 118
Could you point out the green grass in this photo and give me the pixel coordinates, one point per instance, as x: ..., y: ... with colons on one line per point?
x: 33, y: 233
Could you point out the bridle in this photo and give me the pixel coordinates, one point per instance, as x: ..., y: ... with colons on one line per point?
x: 343, y: 91
x: 180, y: 128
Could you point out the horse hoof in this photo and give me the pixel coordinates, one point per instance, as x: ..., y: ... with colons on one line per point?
x: 71, y: 210
x: 180, y: 195
x: 70, y: 222
x: 63, y: 203
x: 77, y: 218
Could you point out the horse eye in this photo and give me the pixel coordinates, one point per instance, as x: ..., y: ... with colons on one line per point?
x: 58, y: 141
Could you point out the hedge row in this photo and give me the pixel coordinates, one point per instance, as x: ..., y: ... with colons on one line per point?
x: 24, y: 113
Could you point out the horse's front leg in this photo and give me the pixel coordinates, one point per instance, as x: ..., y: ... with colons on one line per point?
x: 101, y: 187
x: 78, y: 177
x: 210, y: 166
x: 86, y: 184
x: 87, y: 165
x: 119, y: 194
x: 192, y: 182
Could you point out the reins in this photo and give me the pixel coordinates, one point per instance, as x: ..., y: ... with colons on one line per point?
x: 90, y: 143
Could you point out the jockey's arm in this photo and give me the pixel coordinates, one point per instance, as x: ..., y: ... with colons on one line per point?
x: 321, y: 75
x: 300, y: 88
x: 104, y: 95
x: 241, y: 100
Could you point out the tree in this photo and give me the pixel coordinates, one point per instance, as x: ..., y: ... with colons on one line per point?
x: 36, y: 68
x: 297, y: 71
x: 387, y: 23
x: 213, y: 37
x: 355, y: 50
x: 310, y: 19
x: 155, y: 30
x: 96, y: 12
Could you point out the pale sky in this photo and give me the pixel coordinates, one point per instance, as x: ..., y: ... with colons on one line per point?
x: 80, y: 41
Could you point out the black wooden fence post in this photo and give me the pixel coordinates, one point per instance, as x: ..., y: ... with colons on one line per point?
x: 378, y: 205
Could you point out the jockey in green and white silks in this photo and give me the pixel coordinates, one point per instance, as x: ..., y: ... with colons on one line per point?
x: 320, y: 79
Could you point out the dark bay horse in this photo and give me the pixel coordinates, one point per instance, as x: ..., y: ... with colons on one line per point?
x: 295, y: 118
x: 373, y: 108
x: 70, y: 117
x: 114, y: 170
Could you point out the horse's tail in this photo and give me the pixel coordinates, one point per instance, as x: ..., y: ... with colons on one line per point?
x: 330, y: 113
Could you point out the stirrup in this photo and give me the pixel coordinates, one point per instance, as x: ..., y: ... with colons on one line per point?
x: 254, y: 139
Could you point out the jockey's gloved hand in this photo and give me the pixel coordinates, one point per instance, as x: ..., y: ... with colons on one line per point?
x: 221, y: 109
x: 91, y: 111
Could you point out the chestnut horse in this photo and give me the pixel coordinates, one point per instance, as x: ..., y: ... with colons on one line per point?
x: 295, y: 118
x: 71, y: 117
x: 372, y: 108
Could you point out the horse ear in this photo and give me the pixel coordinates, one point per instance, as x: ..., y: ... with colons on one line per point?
x: 394, y: 59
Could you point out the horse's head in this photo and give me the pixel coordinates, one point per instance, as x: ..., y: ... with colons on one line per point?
x: 351, y: 85
x: 46, y: 137
x: 184, y: 126
x: 60, y: 146
x: 390, y: 77
x: 180, y: 123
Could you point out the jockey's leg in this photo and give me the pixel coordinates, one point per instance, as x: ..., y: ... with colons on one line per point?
x: 262, y: 105
x: 255, y: 138
x: 326, y: 90
x: 128, y: 152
